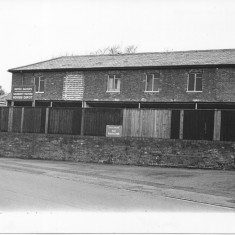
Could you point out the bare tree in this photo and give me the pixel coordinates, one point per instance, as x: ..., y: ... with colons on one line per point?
x: 2, y: 92
x: 131, y: 49
x: 101, y: 51
x: 115, y: 49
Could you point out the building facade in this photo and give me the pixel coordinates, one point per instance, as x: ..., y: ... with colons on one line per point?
x: 188, y: 80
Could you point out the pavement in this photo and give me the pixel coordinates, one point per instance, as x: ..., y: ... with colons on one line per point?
x: 56, y: 185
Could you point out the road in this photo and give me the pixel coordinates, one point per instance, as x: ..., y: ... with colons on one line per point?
x: 35, y: 185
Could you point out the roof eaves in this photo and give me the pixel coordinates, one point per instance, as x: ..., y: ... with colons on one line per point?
x: 125, y: 67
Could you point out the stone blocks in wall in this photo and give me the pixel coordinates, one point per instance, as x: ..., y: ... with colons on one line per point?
x: 131, y: 151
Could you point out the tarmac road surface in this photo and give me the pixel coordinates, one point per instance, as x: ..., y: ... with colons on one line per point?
x: 35, y: 185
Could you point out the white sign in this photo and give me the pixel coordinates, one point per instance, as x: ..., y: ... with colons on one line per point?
x: 113, y: 131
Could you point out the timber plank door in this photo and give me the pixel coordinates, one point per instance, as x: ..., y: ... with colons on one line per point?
x: 198, y: 125
x: 162, y: 124
x: 227, y: 125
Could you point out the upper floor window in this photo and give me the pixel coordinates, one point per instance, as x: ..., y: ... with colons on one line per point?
x: 152, y: 82
x: 195, y: 82
x: 113, y: 83
x: 39, y: 83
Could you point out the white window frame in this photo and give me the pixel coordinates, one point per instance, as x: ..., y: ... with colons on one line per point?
x: 39, y: 80
x: 115, y: 77
x: 154, y: 78
x: 195, y: 82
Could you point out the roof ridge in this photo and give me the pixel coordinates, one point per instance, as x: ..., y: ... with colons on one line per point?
x: 158, y: 52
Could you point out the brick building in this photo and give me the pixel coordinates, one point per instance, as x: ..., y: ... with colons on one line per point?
x: 185, y: 79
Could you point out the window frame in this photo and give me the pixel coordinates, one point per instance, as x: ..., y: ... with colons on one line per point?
x: 153, y: 79
x: 115, y: 77
x: 195, y: 82
x: 39, y: 83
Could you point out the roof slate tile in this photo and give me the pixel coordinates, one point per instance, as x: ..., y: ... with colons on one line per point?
x: 157, y: 59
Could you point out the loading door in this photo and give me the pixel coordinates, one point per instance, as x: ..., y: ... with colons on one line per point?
x: 198, y: 125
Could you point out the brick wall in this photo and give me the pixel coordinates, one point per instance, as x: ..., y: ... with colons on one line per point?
x: 225, y: 86
x: 173, y: 86
x: 53, y: 83
x: 218, y: 85
x: 135, y: 151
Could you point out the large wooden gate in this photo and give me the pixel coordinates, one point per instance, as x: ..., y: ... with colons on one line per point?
x: 95, y: 120
x: 227, y: 132
x: 34, y: 120
x: 198, y: 125
x: 65, y: 121
x: 147, y: 123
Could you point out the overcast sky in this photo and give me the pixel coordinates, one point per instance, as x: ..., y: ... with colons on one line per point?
x: 36, y: 30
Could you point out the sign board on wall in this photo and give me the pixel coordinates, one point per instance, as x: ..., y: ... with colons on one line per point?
x: 23, y: 93
x: 73, y: 86
x: 113, y: 131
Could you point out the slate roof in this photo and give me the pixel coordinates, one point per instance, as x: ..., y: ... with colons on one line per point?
x: 157, y: 59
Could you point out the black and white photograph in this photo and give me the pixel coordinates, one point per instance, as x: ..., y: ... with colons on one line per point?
x: 117, y: 116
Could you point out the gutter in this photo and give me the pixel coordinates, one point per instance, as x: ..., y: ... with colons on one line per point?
x: 125, y: 68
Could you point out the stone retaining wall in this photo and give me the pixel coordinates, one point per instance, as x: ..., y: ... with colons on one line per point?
x: 131, y: 151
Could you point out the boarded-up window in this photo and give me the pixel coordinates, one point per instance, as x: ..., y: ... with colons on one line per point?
x: 73, y: 87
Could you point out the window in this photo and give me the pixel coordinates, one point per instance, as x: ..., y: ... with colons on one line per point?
x: 113, y: 83
x: 152, y: 82
x: 39, y: 84
x: 195, y: 82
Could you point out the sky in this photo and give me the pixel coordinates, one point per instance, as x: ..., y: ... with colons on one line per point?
x: 35, y: 30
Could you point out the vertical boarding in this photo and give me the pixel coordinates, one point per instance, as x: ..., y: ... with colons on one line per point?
x: 227, y: 125
x: 4, y: 119
x: 22, y: 120
x: 167, y: 124
x: 175, y: 124
x: 126, y: 122
x: 10, y: 119
x: 198, y: 124
x: 162, y: 124
x: 135, y: 123
x: 16, y: 124
x: 96, y: 120
x: 47, y: 120
x: 217, y: 125
x: 147, y: 123
x: 181, y: 134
